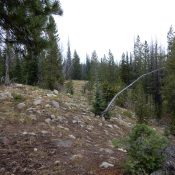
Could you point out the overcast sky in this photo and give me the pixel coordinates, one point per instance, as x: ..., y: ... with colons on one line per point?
x: 113, y: 24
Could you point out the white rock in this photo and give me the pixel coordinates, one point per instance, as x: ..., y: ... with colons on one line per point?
x: 121, y: 149
x: 74, y: 121
x: 55, y: 104
x: 51, y: 95
x: 24, y: 133
x: 72, y: 137
x: 35, y: 149
x: 100, y: 124
x: 55, y: 92
x: 106, y: 165
x: 77, y: 156
x: 44, y: 132
x: 32, y: 133
x: 37, y: 102
x: 48, y: 120
x: 110, y: 126
x: 19, y: 85
x: 90, y: 128
x: 57, y: 162
x: 47, y: 105
x: 21, y: 105
x: 115, y: 126
x: 52, y: 117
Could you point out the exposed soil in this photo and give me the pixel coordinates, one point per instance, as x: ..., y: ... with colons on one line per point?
x: 51, y: 134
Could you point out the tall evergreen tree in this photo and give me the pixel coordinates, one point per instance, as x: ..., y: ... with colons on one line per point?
x: 68, y: 63
x: 25, y: 23
x: 76, y: 67
x: 52, y: 64
x: 169, y: 87
x: 94, y: 67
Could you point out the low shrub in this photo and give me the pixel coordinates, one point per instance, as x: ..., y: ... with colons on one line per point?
x: 145, y: 148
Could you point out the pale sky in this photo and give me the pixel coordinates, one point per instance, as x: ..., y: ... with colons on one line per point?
x: 113, y: 24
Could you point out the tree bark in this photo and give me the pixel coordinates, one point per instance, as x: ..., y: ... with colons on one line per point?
x: 7, y: 60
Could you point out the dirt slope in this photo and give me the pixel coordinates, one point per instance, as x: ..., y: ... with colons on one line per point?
x: 49, y: 133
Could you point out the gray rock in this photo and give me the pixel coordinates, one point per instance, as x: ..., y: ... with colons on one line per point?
x: 168, y: 167
x: 76, y: 156
x: 55, y: 104
x: 47, y: 105
x: 106, y: 165
x: 57, y: 162
x: 63, y: 143
x: 61, y: 119
x: 100, y: 124
x: 170, y: 159
x: 159, y: 172
x: 110, y: 126
x: 52, y: 117
x: 19, y: 85
x: 21, y: 106
x: 4, y: 140
x: 62, y: 128
x: 74, y: 121
x: 2, y: 170
x: 107, y: 150
x: 48, y: 120
x: 45, y: 132
x: 51, y: 95
x: 72, y: 137
x: 32, y: 117
x: 37, y: 102
x: 5, y: 95
x: 90, y: 128
x: 29, y: 133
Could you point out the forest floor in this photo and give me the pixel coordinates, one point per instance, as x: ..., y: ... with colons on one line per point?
x: 49, y: 133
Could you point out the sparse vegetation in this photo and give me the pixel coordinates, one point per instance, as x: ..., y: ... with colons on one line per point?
x: 18, y: 97
x: 69, y: 87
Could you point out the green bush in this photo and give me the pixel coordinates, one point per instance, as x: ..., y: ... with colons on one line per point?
x: 145, y: 148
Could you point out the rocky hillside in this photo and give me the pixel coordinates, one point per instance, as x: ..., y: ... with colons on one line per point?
x: 49, y: 133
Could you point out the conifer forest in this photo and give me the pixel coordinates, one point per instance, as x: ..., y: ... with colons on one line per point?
x: 138, y: 87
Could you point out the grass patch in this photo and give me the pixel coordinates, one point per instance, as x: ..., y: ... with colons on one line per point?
x: 127, y: 114
x: 18, y: 97
x: 120, y: 143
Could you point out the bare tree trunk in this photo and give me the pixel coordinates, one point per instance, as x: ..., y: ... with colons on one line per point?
x: 114, y: 98
x: 7, y: 61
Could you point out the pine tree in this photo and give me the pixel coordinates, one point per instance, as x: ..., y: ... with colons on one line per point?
x: 138, y: 57
x: 52, y: 64
x: 111, y: 68
x: 88, y: 67
x: 99, y: 103
x: 94, y: 67
x: 169, y: 87
x: 125, y: 69
x: 76, y: 67
x: 68, y: 63
x: 25, y: 23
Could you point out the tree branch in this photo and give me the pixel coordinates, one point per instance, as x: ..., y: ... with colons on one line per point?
x: 114, y: 98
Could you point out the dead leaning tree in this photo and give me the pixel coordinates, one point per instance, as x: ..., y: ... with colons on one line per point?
x: 103, y: 114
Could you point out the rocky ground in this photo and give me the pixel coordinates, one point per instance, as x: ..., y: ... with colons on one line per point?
x: 49, y: 133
